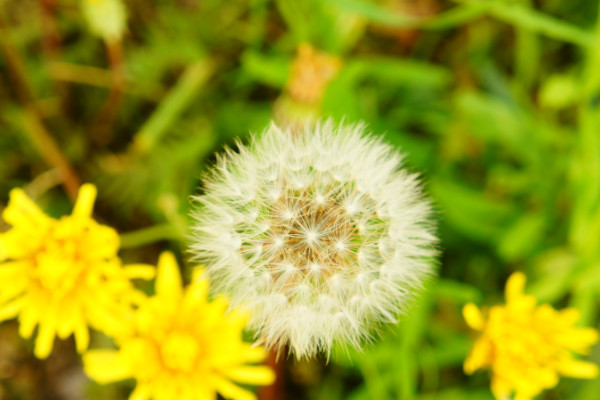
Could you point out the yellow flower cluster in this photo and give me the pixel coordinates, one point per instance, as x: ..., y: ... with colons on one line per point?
x: 526, y: 346
x: 63, y: 274
x: 180, y: 346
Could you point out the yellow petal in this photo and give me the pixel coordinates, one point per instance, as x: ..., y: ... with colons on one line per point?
x: 473, y: 316
x: 139, y: 271
x: 106, y: 317
x: 28, y: 319
x: 45, y: 338
x: 253, y: 354
x: 577, y: 369
x: 141, y: 392
x: 515, y: 285
x: 578, y: 339
x: 106, y: 366
x: 569, y: 316
x: 82, y: 335
x: 9, y: 271
x: 64, y: 325
x: 13, y: 272
x: 196, y: 294
x: 5, y: 246
x: 198, y: 275
x: 215, y: 313
x: 11, y: 309
x: 168, y: 279
x: 479, y: 357
x: 230, y: 390
x: 22, y: 211
x: 203, y: 393
x: 85, y: 201
x: 252, y: 375
x: 501, y: 389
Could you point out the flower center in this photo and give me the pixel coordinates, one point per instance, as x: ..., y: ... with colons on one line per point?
x: 73, y: 251
x: 58, y: 262
x: 180, y: 351
x: 314, y: 232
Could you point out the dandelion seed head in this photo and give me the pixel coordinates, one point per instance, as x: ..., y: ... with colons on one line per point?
x: 331, y: 209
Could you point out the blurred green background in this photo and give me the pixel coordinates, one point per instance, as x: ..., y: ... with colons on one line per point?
x: 496, y: 103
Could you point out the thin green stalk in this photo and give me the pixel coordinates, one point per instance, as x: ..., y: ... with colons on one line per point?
x: 149, y: 235
x: 372, y: 378
x: 32, y: 120
x: 100, y: 129
x: 526, y: 18
x: 585, y: 221
x: 380, y: 15
x: 172, y: 106
x: 518, y: 15
x: 527, y: 54
x: 43, y: 142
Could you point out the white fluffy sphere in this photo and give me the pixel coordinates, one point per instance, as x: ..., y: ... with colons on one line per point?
x: 318, y: 233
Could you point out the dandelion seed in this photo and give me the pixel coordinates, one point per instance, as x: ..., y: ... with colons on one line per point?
x: 527, y: 347
x: 63, y: 275
x: 180, y: 346
x: 322, y: 245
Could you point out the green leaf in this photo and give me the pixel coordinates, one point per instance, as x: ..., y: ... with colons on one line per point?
x: 471, y: 212
x: 460, y: 292
x: 522, y: 237
x: 559, y: 91
x: 172, y: 106
x: 270, y: 70
x: 524, y: 17
x: 383, y: 16
x: 448, y: 352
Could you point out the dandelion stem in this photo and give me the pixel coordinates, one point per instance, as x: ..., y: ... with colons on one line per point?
x: 276, y: 390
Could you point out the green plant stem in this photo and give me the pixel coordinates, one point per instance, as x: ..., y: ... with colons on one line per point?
x: 519, y: 15
x: 34, y: 127
x: 372, y: 378
x: 534, y: 21
x: 585, y: 172
x: 101, y: 126
x: 103, y: 78
x: 526, y: 54
x: 43, y: 142
x: 172, y: 106
x: 149, y: 235
x: 382, y: 16
x: 52, y: 45
x: 275, y: 391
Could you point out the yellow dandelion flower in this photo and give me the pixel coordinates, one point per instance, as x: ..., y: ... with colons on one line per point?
x: 182, y: 346
x: 63, y: 275
x: 526, y: 346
